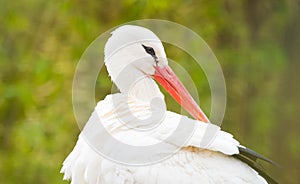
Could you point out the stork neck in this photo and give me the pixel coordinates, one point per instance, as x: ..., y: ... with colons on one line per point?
x: 136, y: 84
x: 145, y: 89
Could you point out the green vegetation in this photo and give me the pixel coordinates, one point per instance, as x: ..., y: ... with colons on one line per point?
x: 256, y: 42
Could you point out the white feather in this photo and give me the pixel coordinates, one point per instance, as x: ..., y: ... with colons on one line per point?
x: 191, y: 164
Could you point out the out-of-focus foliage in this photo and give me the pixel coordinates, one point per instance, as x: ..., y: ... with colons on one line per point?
x: 256, y: 42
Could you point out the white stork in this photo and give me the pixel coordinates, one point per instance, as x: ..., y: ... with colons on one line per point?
x: 135, y: 57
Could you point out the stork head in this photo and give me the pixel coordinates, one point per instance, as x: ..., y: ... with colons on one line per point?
x: 133, y: 47
x: 134, y: 52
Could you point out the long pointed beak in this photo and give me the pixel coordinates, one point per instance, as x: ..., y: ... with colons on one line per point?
x: 167, y: 78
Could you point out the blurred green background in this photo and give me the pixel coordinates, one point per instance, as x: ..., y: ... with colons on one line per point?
x: 256, y: 42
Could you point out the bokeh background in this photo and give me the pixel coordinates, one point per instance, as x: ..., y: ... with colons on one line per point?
x: 256, y: 42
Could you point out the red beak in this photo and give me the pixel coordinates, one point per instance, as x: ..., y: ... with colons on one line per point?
x: 167, y: 78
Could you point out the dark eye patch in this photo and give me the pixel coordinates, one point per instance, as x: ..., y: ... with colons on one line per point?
x: 149, y: 50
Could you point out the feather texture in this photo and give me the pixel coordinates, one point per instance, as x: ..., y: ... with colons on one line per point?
x: 196, y: 160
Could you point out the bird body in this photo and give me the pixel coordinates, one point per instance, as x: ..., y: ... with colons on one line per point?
x: 190, y: 164
x: 137, y: 116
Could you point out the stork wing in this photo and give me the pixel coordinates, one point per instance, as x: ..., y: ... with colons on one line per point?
x: 250, y: 157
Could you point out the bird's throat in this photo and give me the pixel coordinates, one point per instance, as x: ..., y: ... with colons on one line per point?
x: 145, y: 89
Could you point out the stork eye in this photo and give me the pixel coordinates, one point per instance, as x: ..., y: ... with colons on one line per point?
x: 149, y: 50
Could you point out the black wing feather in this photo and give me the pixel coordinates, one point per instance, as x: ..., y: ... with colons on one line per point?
x: 250, y: 157
x: 249, y: 153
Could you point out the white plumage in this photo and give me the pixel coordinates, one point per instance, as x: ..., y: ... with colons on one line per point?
x: 193, y: 162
